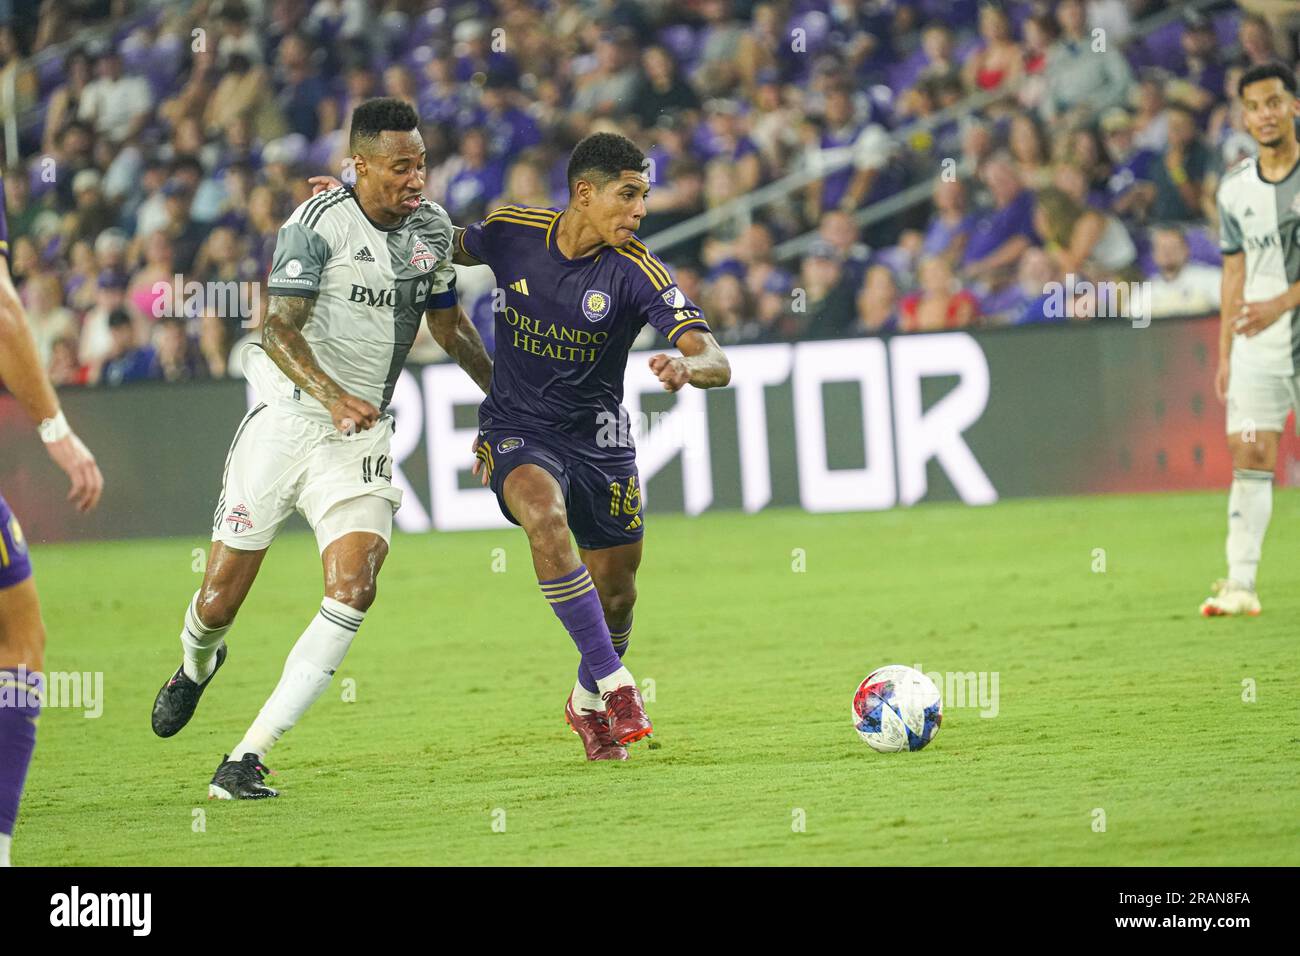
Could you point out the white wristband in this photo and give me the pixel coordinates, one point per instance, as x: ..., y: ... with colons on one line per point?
x: 54, y: 429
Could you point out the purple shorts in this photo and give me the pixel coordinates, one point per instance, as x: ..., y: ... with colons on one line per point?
x: 15, y: 565
x: 602, y: 498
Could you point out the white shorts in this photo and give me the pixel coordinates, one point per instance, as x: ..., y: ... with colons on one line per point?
x: 280, y: 462
x: 1259, y: 401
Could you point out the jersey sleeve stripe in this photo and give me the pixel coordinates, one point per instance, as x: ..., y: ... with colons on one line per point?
x: 682, y: 326
x: 542, y: 218
x: 654, y: 262
x: 520, y: 222
x: 315, y: 216
x: 316, y: 202
x: 654, y: 280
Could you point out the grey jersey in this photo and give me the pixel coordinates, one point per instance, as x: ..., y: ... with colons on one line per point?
x: 371, y: 285
x: 1262, y: 219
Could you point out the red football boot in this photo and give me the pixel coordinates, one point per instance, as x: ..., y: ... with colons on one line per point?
x: 592, y: 728
x: 626, y: 713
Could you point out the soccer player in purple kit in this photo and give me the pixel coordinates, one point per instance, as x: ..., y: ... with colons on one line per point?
x: 22, y: 633
x: 578, y: 287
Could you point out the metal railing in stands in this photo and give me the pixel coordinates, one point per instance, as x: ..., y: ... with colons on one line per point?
x: 742, y: 207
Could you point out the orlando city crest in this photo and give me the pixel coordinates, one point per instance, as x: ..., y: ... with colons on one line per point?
x: 421, y: 256
x: 595, y: 305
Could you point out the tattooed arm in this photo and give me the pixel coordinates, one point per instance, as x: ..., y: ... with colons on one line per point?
x: 453, y: 330
x: 284, y: 342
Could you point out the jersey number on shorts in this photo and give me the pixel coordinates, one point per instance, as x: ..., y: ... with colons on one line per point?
x: 628, y: 502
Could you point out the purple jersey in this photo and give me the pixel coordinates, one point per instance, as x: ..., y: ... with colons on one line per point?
x: 566, y: 326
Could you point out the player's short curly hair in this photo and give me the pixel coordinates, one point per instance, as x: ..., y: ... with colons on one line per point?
x: 602, y: 157
x: 1267, y: 71
x: 376, y: 116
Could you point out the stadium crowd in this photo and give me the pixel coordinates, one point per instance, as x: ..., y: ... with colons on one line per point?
x: 177, y: 141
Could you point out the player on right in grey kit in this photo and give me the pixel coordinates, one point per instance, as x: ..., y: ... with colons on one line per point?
x: 1259, y: 346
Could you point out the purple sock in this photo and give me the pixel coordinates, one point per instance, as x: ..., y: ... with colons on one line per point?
x: 20, y: 705
x: 577, y: 605
x: 619, y: 641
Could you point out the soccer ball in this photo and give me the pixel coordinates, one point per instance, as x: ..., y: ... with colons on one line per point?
x: 897, y: 708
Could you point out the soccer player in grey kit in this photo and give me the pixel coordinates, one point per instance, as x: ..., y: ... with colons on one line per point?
x: 579, y: 286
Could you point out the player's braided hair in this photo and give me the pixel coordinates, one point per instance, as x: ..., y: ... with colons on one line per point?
x: 603, y: 157
x: 374, y: 117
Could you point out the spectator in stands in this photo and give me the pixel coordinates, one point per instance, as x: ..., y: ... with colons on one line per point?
x: 608, y: 90
x: 477, y: 179
x: 1180, y: 175
x: 951, y: 223
x: 1028, y: 147
x: 215, y: 338
x: 1201, y: 65
x: 195, y: 96
x: 177, y: 357
x: 80, y: 282
x: 184, y: 233
x: 64, y: 367
x: 1113, y: 18
x: 46, y: 314
x: 92, y: 214
x: 510, y: 130
x: 74, y: 153
x: 999, y: 62
x: 660, y: 88
x: 1151, y: 120
x: 240, y: 93
x: 1002, y: 234
x: 940, y: 303
x: 96, y: 339
x: 717, y: 72
x: 1129, y: 187
x: 65, y: 102
x: 730, y: 310
x: 977, y: 143
x: 118, y: 106
x: 475, y: 53
x: 722, y: 136
x: 877, y: 302
x: 400, y: 84
x: 1080, y: 77
x: 159, y: 267
x: 773, y: 126
x: 1255, y: 41
x: 1226, y: 132
x: 126, y: 360
x: 303, y: 95
x: 829, y: 299
x: 1081, y: 240
x: 844, y: 187
x: 1179, y: 286
x: 841, y: 231
x: 1036, y: 270
x: 1085, y: 152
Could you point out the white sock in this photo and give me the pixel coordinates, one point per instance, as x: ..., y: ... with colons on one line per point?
x: 584, y: 699
x: 5, y: 840
x: 200, y: 643
x: 1250, y: 505
x: 620, y: 678
x: 307, y: 672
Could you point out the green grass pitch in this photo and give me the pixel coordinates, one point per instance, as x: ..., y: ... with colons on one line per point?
x: 1115, y: 698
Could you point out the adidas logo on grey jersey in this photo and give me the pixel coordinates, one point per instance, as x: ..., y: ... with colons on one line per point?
x: 364, y: 255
